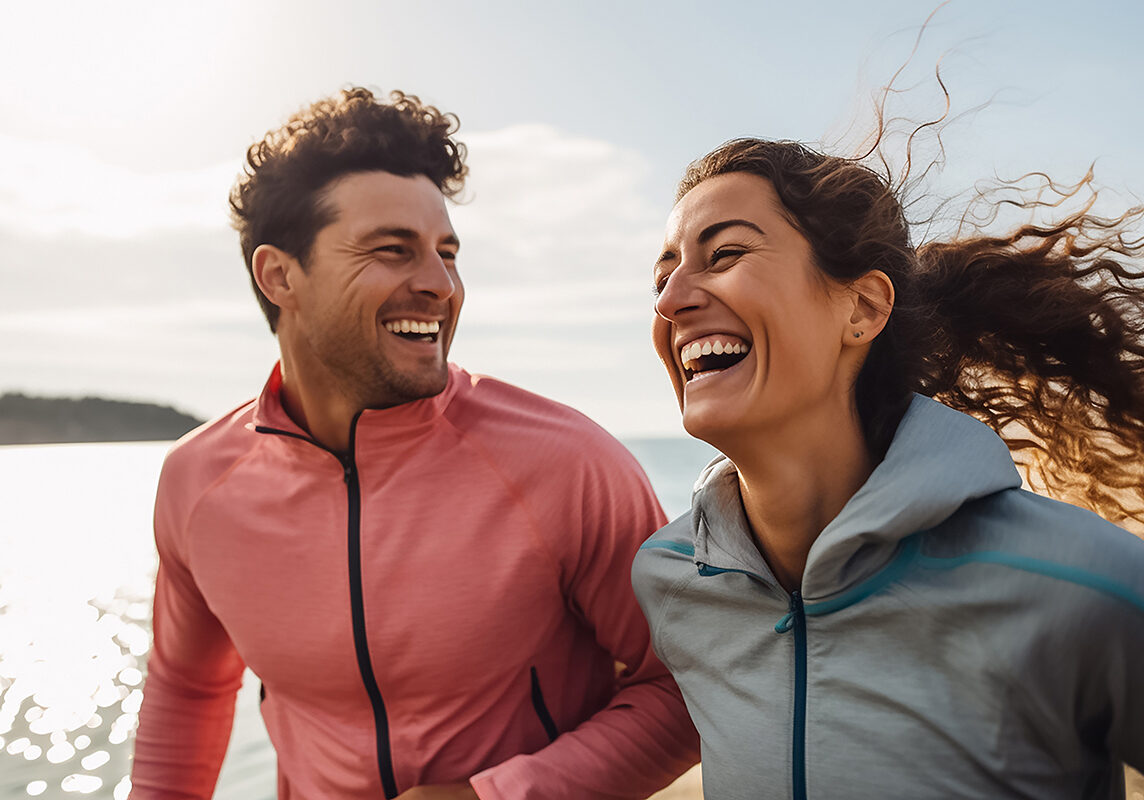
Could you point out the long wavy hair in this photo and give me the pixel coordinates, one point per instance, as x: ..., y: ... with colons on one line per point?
x: 1038, y: 331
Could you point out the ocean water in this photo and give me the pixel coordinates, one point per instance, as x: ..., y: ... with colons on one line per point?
x: 77, y: 565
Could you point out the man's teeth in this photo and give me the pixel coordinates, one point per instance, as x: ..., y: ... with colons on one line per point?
x: 693, y: 351
x: 412, y: 326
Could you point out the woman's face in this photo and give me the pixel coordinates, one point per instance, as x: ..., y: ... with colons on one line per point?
x: 751, y: 332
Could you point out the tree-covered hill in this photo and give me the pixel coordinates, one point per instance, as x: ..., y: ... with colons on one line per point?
x: 40, y: 420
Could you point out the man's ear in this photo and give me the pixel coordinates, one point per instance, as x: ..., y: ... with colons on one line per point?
x: 873, y: 296
x: 275, y: 272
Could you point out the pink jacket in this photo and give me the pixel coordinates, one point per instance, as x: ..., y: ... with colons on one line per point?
x: 447, y: 602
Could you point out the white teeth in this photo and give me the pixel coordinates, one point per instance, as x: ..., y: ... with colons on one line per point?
x: 689, y: 354
x: 412, y: 326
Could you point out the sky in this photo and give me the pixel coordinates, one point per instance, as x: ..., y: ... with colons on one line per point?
x: 123, y: 125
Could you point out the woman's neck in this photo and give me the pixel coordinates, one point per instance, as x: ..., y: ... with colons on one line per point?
x: 794, y: 479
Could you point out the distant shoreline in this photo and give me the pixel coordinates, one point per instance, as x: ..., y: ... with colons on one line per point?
x: 27, y: 419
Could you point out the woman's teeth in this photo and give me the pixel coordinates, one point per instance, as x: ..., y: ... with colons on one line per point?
x: 712, y: 354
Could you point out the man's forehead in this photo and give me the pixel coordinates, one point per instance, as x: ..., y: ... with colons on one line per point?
x: 367, y: 203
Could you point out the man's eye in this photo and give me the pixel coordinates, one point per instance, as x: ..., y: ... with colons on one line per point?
x: 447, y: 255
x: 396, y: 249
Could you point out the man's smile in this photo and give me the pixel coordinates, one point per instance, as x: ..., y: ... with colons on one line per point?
x: 414, y: 330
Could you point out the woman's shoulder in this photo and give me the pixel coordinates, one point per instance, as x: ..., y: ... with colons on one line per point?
x: 666, y: 556
x: 1044, y: 539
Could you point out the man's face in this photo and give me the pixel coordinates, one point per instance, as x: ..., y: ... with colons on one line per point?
x: 379, y: 300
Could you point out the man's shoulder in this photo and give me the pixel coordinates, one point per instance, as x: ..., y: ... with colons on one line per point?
x: 204, y: 454
x: 493, y: 406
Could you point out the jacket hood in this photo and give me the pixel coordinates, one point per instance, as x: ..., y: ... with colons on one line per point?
x: 939, y: 460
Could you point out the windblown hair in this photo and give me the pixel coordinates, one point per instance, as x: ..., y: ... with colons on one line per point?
x: 1038, y: 332
x: 279, y: 198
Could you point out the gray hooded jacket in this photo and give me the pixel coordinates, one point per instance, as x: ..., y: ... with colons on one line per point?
x: 955, y: 636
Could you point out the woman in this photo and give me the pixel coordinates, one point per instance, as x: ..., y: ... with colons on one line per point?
x: 863, y: 602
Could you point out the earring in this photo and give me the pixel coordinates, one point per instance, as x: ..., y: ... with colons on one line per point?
x: 857, y: 334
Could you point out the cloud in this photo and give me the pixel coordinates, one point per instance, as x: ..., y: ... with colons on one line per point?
x: 57, y: 189
x: 559, y: 238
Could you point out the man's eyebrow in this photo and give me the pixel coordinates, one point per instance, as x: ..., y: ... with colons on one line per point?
x: 405, y: 233
x: 709, y: 232
x: 666, y: 255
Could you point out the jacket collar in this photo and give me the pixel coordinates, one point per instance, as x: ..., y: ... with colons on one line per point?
x: 939, y: 460
x: 397, y: 421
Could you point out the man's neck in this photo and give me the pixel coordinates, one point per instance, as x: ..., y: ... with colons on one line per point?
x: 325, y: 415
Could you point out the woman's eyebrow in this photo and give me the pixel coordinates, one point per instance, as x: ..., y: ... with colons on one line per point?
x: 707, y: 233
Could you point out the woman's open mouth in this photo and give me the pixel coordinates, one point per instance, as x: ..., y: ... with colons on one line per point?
x: 710, y: 354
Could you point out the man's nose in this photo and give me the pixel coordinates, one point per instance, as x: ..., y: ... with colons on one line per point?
x: 433, y: 277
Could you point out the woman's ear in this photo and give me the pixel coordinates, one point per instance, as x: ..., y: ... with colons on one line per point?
x: 873, y: 296
x: 274, y: 271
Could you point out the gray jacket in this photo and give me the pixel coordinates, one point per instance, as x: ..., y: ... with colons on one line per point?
x: 955, y: 636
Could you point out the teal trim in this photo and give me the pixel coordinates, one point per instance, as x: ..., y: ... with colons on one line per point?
x: 706, y: 570
x: 1049, y: 569
x: 675, y: 547
x: 893, y: 571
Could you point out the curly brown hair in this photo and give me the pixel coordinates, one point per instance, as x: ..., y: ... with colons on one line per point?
x: 1038, y: 332
x: 278, y: 198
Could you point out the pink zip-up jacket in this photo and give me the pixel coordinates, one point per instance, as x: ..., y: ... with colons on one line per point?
x: 445, y: 603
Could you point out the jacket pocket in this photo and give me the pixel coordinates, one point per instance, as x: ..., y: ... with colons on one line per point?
x: 541, y: 708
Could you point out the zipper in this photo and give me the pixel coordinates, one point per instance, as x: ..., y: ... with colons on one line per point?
x: 795, y: 620
x: 541, y: 707
x: 798, y: 750
x: 357, y: 603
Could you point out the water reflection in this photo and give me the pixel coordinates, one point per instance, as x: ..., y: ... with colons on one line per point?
x: 76, y: 572
x: 77, y: 568
x: 71, y: 682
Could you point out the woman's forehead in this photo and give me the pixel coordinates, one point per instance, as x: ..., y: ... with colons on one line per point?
x: 733, y: 195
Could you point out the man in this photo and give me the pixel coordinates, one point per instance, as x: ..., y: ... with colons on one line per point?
x: 428, y: 570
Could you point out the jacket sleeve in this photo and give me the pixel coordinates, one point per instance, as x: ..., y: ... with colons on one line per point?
x: 1122, y: 675
x: 193, y: 674
x: 643, y: 739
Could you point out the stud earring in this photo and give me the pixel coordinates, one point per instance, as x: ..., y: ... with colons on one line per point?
x: 857, y: 334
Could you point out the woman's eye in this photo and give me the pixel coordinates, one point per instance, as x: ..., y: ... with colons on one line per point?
x: 726, y: 252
